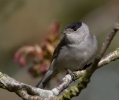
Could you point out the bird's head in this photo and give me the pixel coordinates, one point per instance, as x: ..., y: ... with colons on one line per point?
x: 76, y: 31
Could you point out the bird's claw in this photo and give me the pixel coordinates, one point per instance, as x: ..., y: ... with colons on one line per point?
x: 72, y: 74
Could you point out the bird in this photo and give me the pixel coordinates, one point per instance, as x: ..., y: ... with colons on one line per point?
x: 76, y: 50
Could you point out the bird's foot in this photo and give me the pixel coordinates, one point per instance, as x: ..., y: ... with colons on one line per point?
x: 72, y: 74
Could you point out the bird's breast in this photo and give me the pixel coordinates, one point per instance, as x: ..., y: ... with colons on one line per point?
x: 70, y: 58
x: 75, y: 57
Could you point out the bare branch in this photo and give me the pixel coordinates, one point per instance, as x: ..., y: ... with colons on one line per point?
x: 105, y: 45
x: 25, y: 91
x: 109, y: 57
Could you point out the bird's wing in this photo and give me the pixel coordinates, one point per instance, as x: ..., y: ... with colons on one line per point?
x: 58, y: 48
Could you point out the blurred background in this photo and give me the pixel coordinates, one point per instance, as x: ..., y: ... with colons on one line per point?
x: 25, y: 22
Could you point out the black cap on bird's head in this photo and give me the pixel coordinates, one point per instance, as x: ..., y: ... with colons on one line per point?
x: 73, y: 26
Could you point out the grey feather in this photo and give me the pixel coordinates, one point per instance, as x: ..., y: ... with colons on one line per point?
x: 77, y: 48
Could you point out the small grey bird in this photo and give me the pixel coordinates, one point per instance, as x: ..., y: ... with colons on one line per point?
x: 74, y: 52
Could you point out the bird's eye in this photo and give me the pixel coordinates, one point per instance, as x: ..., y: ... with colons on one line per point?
x: 74, y: 27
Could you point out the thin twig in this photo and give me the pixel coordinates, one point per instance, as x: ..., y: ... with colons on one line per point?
x: 105, y: 46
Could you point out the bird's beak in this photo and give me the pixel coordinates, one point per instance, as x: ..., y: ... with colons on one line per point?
x: 63, y: 32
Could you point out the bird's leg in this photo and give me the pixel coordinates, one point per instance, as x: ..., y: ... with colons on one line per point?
x: 86, y: 66
x: 72, y: 74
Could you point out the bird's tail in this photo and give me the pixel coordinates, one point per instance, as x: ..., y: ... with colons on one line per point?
x: 48, y: 76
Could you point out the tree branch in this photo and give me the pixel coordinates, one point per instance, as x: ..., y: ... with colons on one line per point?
x: 25, y: 91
